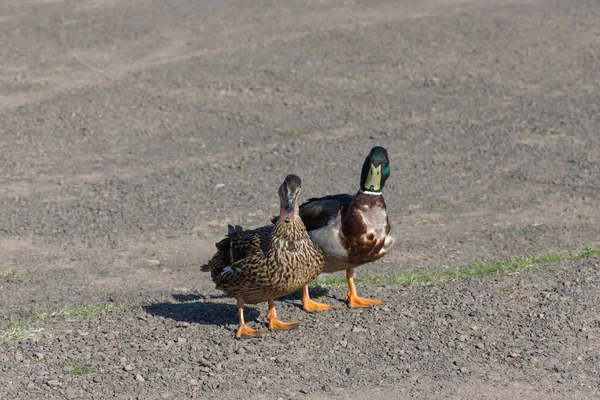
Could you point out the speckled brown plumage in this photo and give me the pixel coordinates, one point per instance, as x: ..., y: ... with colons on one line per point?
x: 267, y: 262
x: 262, y: 264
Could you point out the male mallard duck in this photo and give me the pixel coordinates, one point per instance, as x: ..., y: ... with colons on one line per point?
x: 351, y: 230
x: 265, y: 263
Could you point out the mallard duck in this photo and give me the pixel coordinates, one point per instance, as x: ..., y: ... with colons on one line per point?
x: 262, y: 264
x: 351, y: 230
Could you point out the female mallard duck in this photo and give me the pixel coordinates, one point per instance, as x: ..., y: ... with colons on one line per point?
x: 351, y: 230
x: 269, y: 262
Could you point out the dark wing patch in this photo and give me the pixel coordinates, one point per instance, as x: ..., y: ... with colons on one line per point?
x: 234, y: 229
x: 317, y: 212
x: 224, y: 246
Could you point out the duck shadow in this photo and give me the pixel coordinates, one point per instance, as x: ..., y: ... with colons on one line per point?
x: 200, y: 312
x: 190, y: 309
x: 296, y: 297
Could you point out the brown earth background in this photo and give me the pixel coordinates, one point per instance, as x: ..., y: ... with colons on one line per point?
x: 132, y: 132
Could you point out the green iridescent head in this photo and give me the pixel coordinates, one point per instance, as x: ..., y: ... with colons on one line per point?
x: 375, y: 171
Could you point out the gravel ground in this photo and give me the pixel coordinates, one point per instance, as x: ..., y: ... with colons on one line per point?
x: 529, y: 335
x: 132, y: 132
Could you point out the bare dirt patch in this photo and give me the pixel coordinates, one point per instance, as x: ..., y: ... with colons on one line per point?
x: 133, y: 132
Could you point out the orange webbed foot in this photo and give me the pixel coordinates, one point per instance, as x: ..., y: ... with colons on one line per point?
x: 244, y: 331
x: 360, y: 302
x: 352, y: 299
x: 312, y: 306
x: 275, y: 324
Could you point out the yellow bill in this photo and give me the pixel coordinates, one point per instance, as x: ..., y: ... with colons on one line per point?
x: 373, y: 181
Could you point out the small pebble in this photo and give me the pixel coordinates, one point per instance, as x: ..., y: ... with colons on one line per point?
x: 139, y: 378
x: 128, y: 367
x: 53, y: 383
x: 205, y: 370
x: 71, y: 393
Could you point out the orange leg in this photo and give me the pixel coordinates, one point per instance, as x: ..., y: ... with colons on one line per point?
x: 244, y: 331
x: 309, y: 305
x: 274, y: 323
x: 353, y: 300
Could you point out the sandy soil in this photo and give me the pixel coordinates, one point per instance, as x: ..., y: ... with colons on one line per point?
x: 133, y: 131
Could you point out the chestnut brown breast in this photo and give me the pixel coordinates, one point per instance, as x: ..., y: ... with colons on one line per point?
x: 365, y: 229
